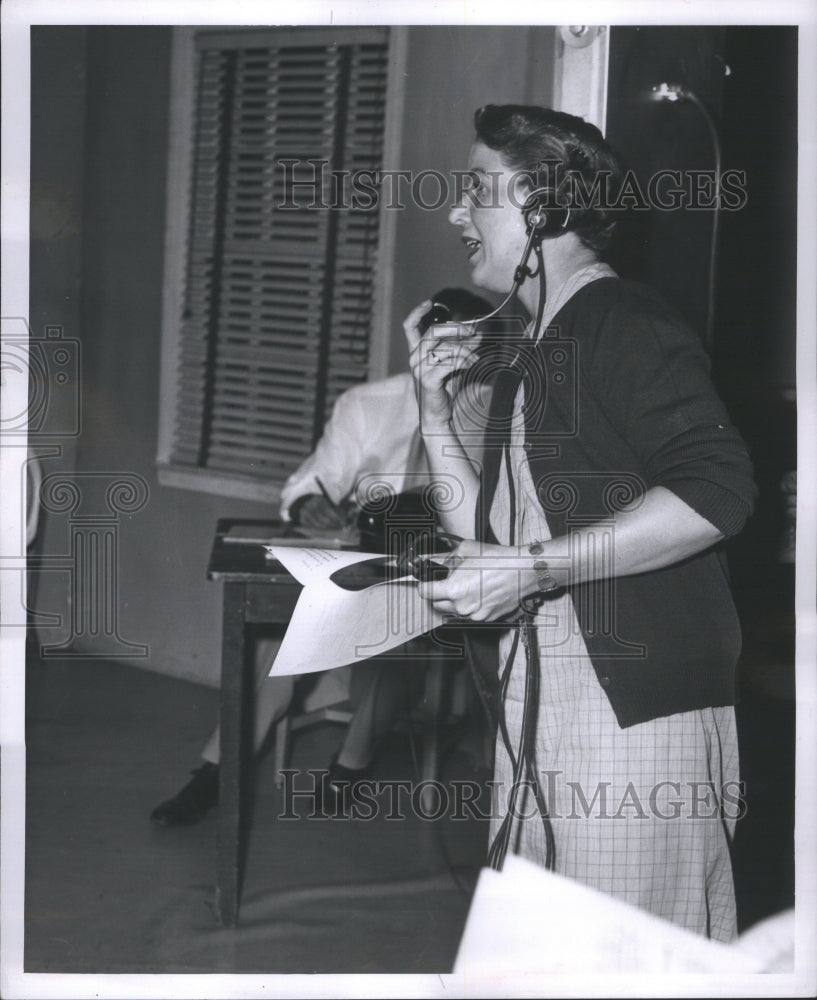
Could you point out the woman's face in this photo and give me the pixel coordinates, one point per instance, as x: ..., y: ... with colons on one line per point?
x: 493, y: 227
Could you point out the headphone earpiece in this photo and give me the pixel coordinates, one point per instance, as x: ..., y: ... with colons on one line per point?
x: 541, y: 218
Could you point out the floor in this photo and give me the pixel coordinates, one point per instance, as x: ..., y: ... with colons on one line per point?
x: 106, y: 891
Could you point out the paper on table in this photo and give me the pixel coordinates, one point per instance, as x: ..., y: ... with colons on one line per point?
x: 331, y: 626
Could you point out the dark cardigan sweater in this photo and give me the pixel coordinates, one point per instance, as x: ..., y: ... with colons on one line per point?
x: 618, y: 399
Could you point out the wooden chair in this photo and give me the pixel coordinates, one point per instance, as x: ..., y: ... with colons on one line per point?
x: 293, y: 721
x: 428, y: 715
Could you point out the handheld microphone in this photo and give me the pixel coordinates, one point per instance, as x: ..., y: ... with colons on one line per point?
x: 429, y: 571
x: 437, y: 321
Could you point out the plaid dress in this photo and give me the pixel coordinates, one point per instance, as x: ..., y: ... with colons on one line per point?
x: 638, y: 812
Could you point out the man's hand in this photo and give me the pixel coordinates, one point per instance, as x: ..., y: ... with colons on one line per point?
x: 315, y: 513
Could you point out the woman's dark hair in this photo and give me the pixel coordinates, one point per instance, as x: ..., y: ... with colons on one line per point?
x: 553, y: 148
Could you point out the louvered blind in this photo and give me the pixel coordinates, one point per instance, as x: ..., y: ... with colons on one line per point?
x: 280, y: 260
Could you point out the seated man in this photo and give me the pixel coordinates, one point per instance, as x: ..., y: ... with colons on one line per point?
x: 372, y: 436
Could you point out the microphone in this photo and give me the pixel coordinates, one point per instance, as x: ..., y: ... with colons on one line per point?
x: 438, y: 323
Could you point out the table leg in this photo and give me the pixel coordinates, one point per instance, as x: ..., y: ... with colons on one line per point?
x: 233, y: 673
x: 435, y: 682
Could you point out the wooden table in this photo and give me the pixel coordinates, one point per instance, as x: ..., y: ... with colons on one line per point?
x: 257, y: 590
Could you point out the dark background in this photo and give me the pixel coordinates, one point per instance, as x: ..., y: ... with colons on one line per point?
x: 747, y: 79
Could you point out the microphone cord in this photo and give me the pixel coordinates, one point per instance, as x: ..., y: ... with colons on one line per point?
x: 524, y: 760
x: 519, y: 275
x: 712, y: 276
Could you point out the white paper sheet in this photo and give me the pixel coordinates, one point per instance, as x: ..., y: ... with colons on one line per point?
x: 526, y: 922
x: 331, y: 627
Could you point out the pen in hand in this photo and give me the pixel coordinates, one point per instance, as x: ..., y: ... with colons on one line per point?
x: 326, y: 496
x: 335, y: 508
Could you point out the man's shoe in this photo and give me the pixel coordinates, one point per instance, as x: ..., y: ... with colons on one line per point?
x: 337, y: 784
x: 193, y: 802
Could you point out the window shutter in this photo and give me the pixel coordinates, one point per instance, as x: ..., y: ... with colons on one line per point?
x: 280, y: 262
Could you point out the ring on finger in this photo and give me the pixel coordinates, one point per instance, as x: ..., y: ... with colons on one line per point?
x: 435, y: 359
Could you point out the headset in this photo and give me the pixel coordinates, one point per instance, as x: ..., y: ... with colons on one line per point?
x: 544, y: 218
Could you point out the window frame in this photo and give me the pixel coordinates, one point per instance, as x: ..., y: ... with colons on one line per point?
x: 180, y: 152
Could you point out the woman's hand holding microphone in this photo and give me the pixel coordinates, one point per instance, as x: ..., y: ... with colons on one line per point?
x: 432, y: 361
x: 483, y: 582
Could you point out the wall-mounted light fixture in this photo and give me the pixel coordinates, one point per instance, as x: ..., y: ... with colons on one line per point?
x: 579, y: 36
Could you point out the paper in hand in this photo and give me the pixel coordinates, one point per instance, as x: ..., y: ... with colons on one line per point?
x: 332, y: 626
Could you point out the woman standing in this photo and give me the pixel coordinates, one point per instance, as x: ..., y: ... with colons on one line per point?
x: 612, y: 473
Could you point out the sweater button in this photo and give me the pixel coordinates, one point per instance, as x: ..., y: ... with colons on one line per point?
x: 605, y: 681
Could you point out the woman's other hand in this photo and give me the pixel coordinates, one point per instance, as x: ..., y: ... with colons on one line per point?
x: 485, y: 582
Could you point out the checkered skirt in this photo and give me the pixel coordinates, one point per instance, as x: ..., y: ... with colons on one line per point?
x: 644, y: 813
